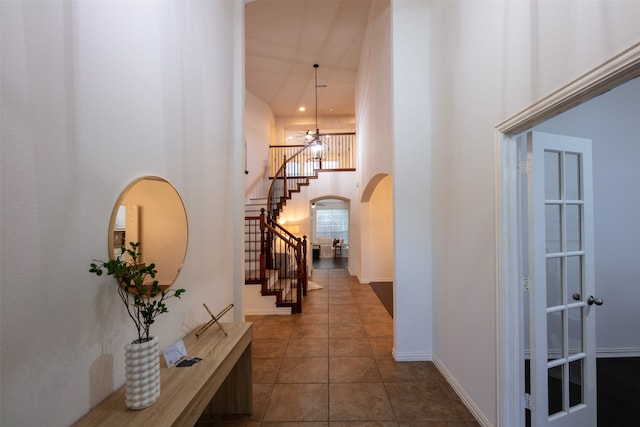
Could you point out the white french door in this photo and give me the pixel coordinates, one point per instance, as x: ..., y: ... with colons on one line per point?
x: 559, y: 264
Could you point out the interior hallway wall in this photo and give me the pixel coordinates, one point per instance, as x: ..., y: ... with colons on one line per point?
x: 373, y: 97
x: 94, y: 95
x: 258, y: 130
x: 412, y: 169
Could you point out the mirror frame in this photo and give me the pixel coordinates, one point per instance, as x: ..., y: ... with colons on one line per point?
x: 114, y: 213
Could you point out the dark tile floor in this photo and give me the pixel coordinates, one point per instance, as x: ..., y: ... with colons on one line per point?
x: 332, y: 366
x: 618, y: 382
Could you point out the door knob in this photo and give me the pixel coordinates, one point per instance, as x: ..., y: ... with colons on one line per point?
x: 597, y: 301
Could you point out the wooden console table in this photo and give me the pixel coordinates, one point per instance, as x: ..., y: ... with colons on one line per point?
x: 221, y: 381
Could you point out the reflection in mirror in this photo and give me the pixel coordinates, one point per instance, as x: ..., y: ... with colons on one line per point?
x: 150, y: 211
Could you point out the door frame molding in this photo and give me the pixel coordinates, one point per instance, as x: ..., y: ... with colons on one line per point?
x: 510, y: 371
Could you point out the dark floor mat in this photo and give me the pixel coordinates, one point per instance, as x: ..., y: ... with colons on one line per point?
x: 384, y: 290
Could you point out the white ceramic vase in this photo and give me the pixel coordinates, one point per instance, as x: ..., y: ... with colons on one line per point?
x: 143, y: 373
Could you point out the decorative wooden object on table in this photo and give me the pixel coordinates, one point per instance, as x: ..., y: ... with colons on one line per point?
x: 214, y: 319
x: 222, y: 382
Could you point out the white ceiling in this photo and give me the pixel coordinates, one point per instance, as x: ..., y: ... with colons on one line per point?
x: 284, y: 38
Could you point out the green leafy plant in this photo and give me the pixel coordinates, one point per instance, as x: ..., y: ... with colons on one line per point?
x: 144, y: 299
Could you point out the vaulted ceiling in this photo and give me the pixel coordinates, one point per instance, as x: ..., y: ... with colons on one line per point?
x: 284, y: 38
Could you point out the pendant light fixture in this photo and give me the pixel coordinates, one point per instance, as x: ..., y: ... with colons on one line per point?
x: 315, y: 142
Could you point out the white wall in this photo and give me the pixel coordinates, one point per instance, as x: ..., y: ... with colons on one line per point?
x: 94, y: 95
x: 412, y: 162
x: 259, y: 130
x: 377, y: 244
x: 488, y: 61
x: 611, y: 122
x: 373, y: 97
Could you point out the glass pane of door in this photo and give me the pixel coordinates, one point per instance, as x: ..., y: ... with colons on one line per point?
x: 564, y: 314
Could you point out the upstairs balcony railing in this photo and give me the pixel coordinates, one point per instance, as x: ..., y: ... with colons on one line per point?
x: 338, y: 153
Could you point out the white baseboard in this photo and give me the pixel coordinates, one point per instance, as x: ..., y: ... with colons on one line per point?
x: 466, y: 399
x: 278, y: 311
x: 410, y: 357
x: 602, y: 352
x: 368, y: 280
x: 618, y: 352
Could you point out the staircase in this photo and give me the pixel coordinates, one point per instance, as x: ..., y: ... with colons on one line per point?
x: 275, y: 262
x: 275, y: 259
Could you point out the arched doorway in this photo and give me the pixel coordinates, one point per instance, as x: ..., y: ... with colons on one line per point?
x: 329, y: 231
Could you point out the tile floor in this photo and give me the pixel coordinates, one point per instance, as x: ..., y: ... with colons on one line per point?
x: 332, y: 366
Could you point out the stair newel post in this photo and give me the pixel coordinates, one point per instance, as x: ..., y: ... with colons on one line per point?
x: 305, y: 277
x: 300, y: 274
x: 284, y: 177
x: 263, y: 252
x: 304, y: 247
x: 269, y: 243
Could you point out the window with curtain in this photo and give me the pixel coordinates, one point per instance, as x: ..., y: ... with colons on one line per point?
x: 333, y: 223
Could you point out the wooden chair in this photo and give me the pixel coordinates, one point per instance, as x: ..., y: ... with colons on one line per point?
x: 337, y: 248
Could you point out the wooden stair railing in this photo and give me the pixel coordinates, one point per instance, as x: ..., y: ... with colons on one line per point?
x: 285, y: 257
x: 252, y: 245
x: 278, y: 191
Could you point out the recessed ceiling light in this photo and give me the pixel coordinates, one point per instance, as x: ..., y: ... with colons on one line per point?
x: 301, y: 109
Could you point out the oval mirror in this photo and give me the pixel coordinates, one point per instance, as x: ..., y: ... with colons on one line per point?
x: 150, y: 211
